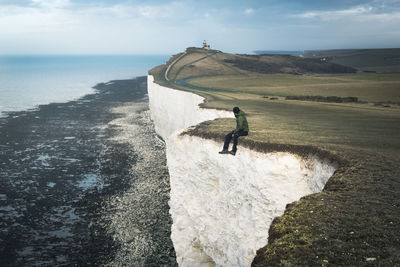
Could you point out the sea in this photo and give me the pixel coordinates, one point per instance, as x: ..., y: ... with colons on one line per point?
x: 83, y: 175
x: 27, y: 81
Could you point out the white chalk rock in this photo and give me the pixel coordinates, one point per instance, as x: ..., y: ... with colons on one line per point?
x: 222, y: 205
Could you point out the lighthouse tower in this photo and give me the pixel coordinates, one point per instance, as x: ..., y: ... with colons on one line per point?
x: 205, y: 45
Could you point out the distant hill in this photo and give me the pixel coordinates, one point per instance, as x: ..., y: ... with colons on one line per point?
x: 272, y: 64
x: 196, y: 62
x: 278, y: 52
x: 370, y: 60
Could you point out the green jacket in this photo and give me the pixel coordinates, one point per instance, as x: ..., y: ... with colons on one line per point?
x: 241, y: 122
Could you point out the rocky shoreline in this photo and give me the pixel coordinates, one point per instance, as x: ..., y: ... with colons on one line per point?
x: 85, y: 183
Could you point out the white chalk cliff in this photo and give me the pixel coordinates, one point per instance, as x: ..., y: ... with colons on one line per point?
x: 222, y: 205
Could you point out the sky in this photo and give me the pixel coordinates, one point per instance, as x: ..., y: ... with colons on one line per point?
x: 156, y: 27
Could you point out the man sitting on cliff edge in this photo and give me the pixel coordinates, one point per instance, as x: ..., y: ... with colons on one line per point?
x: 242, y: 129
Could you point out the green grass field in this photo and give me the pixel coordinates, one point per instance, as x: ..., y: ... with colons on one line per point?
x: 356, y: 217
x: 369, y: 87
x: 379, y: 60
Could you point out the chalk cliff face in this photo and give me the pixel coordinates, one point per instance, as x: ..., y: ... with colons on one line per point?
x: 222, y: 205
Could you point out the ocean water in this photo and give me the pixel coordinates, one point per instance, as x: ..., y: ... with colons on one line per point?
x: 73, y: 170
x: 29, y: 81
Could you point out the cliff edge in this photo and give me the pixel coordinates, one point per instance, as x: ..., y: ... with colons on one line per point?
x: 221, y: 205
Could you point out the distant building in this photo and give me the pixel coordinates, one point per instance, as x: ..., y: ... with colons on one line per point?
x: 205, y: 45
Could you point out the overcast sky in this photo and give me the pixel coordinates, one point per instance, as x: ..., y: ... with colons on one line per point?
x: 167, y: 27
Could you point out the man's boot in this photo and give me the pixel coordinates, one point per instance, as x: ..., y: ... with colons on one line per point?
x: 224, y: 151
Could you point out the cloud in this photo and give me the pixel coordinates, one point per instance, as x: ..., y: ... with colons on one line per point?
x: 62, y: 15
x: 365, y: 26
x: 249, y: 11
x: 132, y: 26
x: 34, y: 19
x: 65, y: 27
x: 51, y: 3
x: 308, y: 15
x: 337, y: 14
x: 362, y: 18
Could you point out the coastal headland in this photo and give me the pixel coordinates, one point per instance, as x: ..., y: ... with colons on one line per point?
x: 354, y: 220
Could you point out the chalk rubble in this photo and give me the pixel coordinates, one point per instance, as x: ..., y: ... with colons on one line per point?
x: 222, y: 206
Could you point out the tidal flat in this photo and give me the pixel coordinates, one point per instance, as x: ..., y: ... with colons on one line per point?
x: 77, y: 190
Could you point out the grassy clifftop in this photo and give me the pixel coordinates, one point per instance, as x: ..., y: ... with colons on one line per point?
x: 372, y: 60
x: 355, y: 219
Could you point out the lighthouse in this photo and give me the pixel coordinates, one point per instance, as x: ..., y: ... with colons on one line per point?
x: 205, y: 45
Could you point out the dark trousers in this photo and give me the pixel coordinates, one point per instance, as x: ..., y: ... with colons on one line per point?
x: 235, y: 136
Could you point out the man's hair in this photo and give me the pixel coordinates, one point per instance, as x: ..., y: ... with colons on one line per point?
x: 236, y: 110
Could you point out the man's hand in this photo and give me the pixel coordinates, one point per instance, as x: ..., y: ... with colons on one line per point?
x: 234, y: 132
